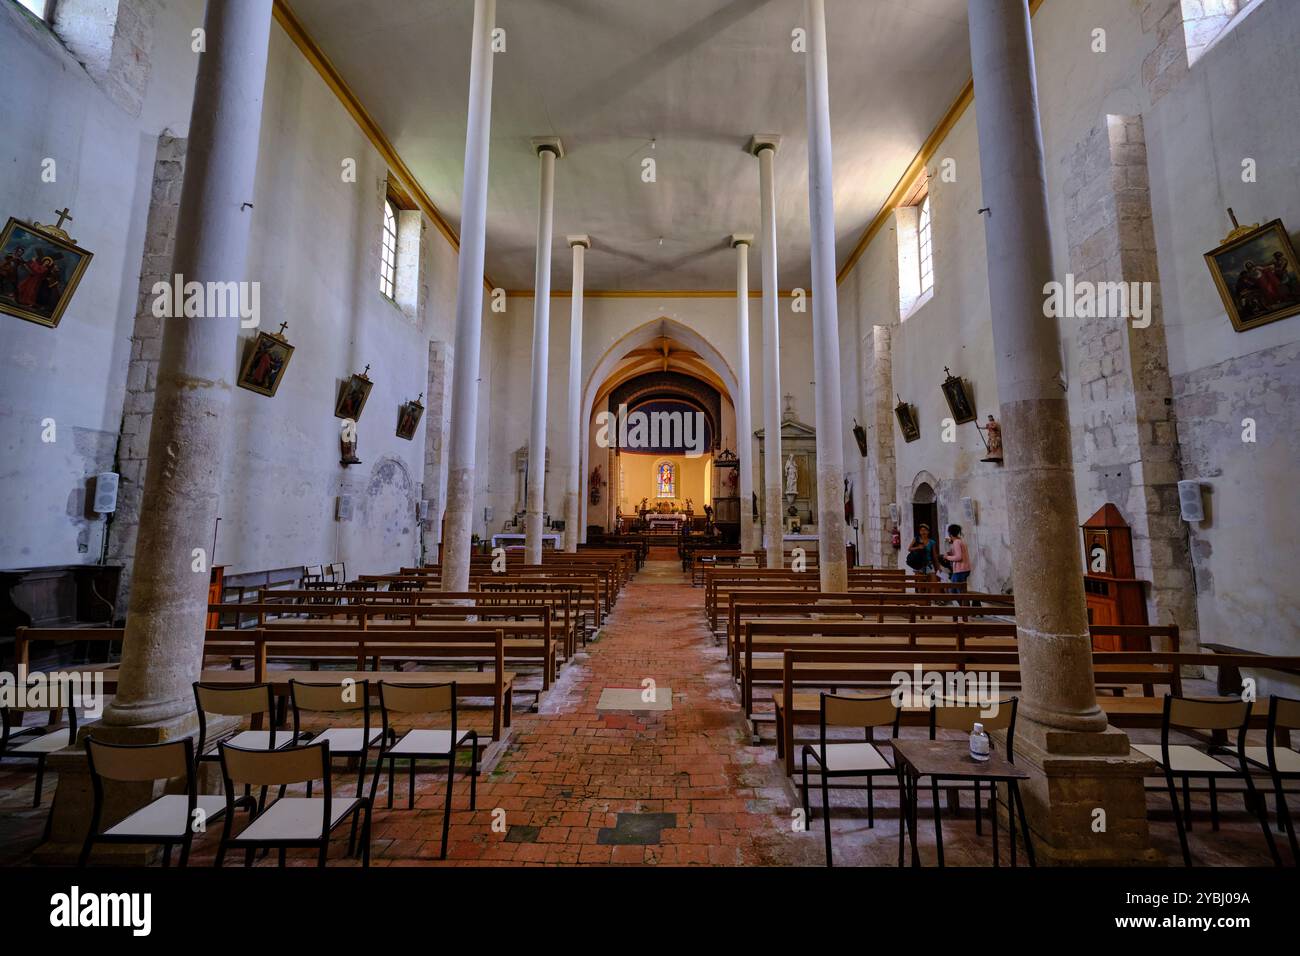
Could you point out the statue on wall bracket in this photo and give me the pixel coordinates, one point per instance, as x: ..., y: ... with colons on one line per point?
x: 992, y: 441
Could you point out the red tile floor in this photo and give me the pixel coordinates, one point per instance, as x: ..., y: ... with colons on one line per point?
x: 569, y: 771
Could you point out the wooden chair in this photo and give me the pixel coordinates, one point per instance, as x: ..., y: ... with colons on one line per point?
x: 253, y: 701
x: 1282, y: 761
x: 167, y: 820
x: 289, y: 822
x: 963, y: 718
x: 1195, y: 714
x: 424, y: 744
x: 849, y: 758
x: 34, y: 743
x: 336, y: 698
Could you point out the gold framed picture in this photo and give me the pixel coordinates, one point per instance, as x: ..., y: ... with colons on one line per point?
x: 408, y: 418
x: 40, y: 267
x: 267, y: 356
x: 352, y: 396
x: 907, y: 423
x: 1257, y: 275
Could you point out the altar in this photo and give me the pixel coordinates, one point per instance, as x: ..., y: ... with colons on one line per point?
x: 665, y: 522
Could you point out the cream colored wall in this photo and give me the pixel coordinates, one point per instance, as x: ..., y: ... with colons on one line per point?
x: 640, y: 476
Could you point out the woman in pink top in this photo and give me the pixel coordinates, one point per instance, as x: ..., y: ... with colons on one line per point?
x: 957, y: 556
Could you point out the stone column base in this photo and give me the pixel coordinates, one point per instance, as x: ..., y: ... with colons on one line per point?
x: 1085, y: 798
x: 74, y: 797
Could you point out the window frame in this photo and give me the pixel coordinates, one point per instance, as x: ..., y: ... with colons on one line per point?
x: 925, y: 249
x: 47, y: 10
x: 388, y: 251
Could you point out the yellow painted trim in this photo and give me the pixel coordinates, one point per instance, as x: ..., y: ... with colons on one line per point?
x: 654, y: 293
x: 314, y: 55
x: 918, y: 163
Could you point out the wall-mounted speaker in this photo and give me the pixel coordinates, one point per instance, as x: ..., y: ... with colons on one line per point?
x: 968, y: 509
x: 343, y: 508
x: 893, y: 512
x: 1190, y: 504
x: 422, y: 509
x: 105, y: 492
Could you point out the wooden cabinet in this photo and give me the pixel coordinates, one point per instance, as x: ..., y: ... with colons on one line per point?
x: 1113, y: 594
x: 216, y: 585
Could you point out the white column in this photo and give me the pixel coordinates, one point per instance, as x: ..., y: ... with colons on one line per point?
x: 1051, y: 619
x: 548, y: 150
x: 744, y: 426
x: 765, y: 147
x: 463, y: 424
x: 162, y: 652
x: 573, y: 484
x: 831, y: 556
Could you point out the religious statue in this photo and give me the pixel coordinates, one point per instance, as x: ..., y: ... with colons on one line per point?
x: 993, y: 441
x: 791, y: 477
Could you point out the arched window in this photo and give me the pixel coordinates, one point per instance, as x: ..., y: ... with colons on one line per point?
x: 925, y: 247
x: 666, y: 480
x: 388, y: 254
x: 39, y: 7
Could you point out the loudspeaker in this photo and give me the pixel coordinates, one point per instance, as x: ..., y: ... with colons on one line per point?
x: 968, y: 509
x: 1190, y: 505
x: 422, y: 509
x: 893, y: 512
x: 343, y: 508
x: 105, y: 493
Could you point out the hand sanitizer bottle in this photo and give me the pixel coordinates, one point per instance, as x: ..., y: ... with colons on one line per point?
x: 979, y: 743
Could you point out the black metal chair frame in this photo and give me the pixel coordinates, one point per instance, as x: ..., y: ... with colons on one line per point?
x: 321, y: 843
x: 8, y: 735
x: 1183, y: 818
x: 389, y: 739
x: 826, y: 774
x: 166, y: 840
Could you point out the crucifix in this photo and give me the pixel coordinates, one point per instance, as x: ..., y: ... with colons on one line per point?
x: 283, y: 326
x: 62, y: 214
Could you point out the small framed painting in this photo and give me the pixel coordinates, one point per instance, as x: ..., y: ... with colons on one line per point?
x: 266, y: 359
x: 959, y: 400
x: 40, y: 267
x: 907, y: 421
x: 408, y: 418
x: 352, y: 396
x: 1257, y: 275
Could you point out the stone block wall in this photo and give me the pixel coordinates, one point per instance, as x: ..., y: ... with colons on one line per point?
x: 1125, y: 440
x: 146, y: 349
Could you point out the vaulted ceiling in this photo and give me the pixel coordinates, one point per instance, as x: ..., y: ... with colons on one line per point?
x: 610, y: 77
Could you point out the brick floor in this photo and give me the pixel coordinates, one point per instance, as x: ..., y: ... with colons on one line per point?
x: 570, y: 776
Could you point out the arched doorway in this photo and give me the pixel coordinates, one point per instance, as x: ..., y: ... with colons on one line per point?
x: 659, y: 368
x: 925, y: 507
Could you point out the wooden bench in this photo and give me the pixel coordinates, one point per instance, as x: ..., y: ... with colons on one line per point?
x: 718, y: 584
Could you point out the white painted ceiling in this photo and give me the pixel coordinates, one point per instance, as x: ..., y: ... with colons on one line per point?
x: 608, y: 76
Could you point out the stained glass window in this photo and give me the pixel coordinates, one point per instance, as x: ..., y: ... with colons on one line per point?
x: 666, y: 480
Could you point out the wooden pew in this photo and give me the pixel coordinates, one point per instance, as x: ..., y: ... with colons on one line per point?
x: 258, y: 643
x: 861, y: 605
x: 719, y: 583
x: 528, y: 641
x: 521, y: 604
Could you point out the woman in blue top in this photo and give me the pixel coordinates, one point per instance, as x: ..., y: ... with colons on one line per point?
x: 921, y: 553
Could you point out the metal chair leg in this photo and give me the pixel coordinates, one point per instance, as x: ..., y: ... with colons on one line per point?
x: 1178, y: 818
x: 826, y: 814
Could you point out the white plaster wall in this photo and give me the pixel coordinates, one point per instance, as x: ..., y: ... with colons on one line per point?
x: 1197, y: 135
x: 314, y: 249
x: 75, y: 374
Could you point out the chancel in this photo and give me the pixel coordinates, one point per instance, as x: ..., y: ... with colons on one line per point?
x: 964, y: 519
